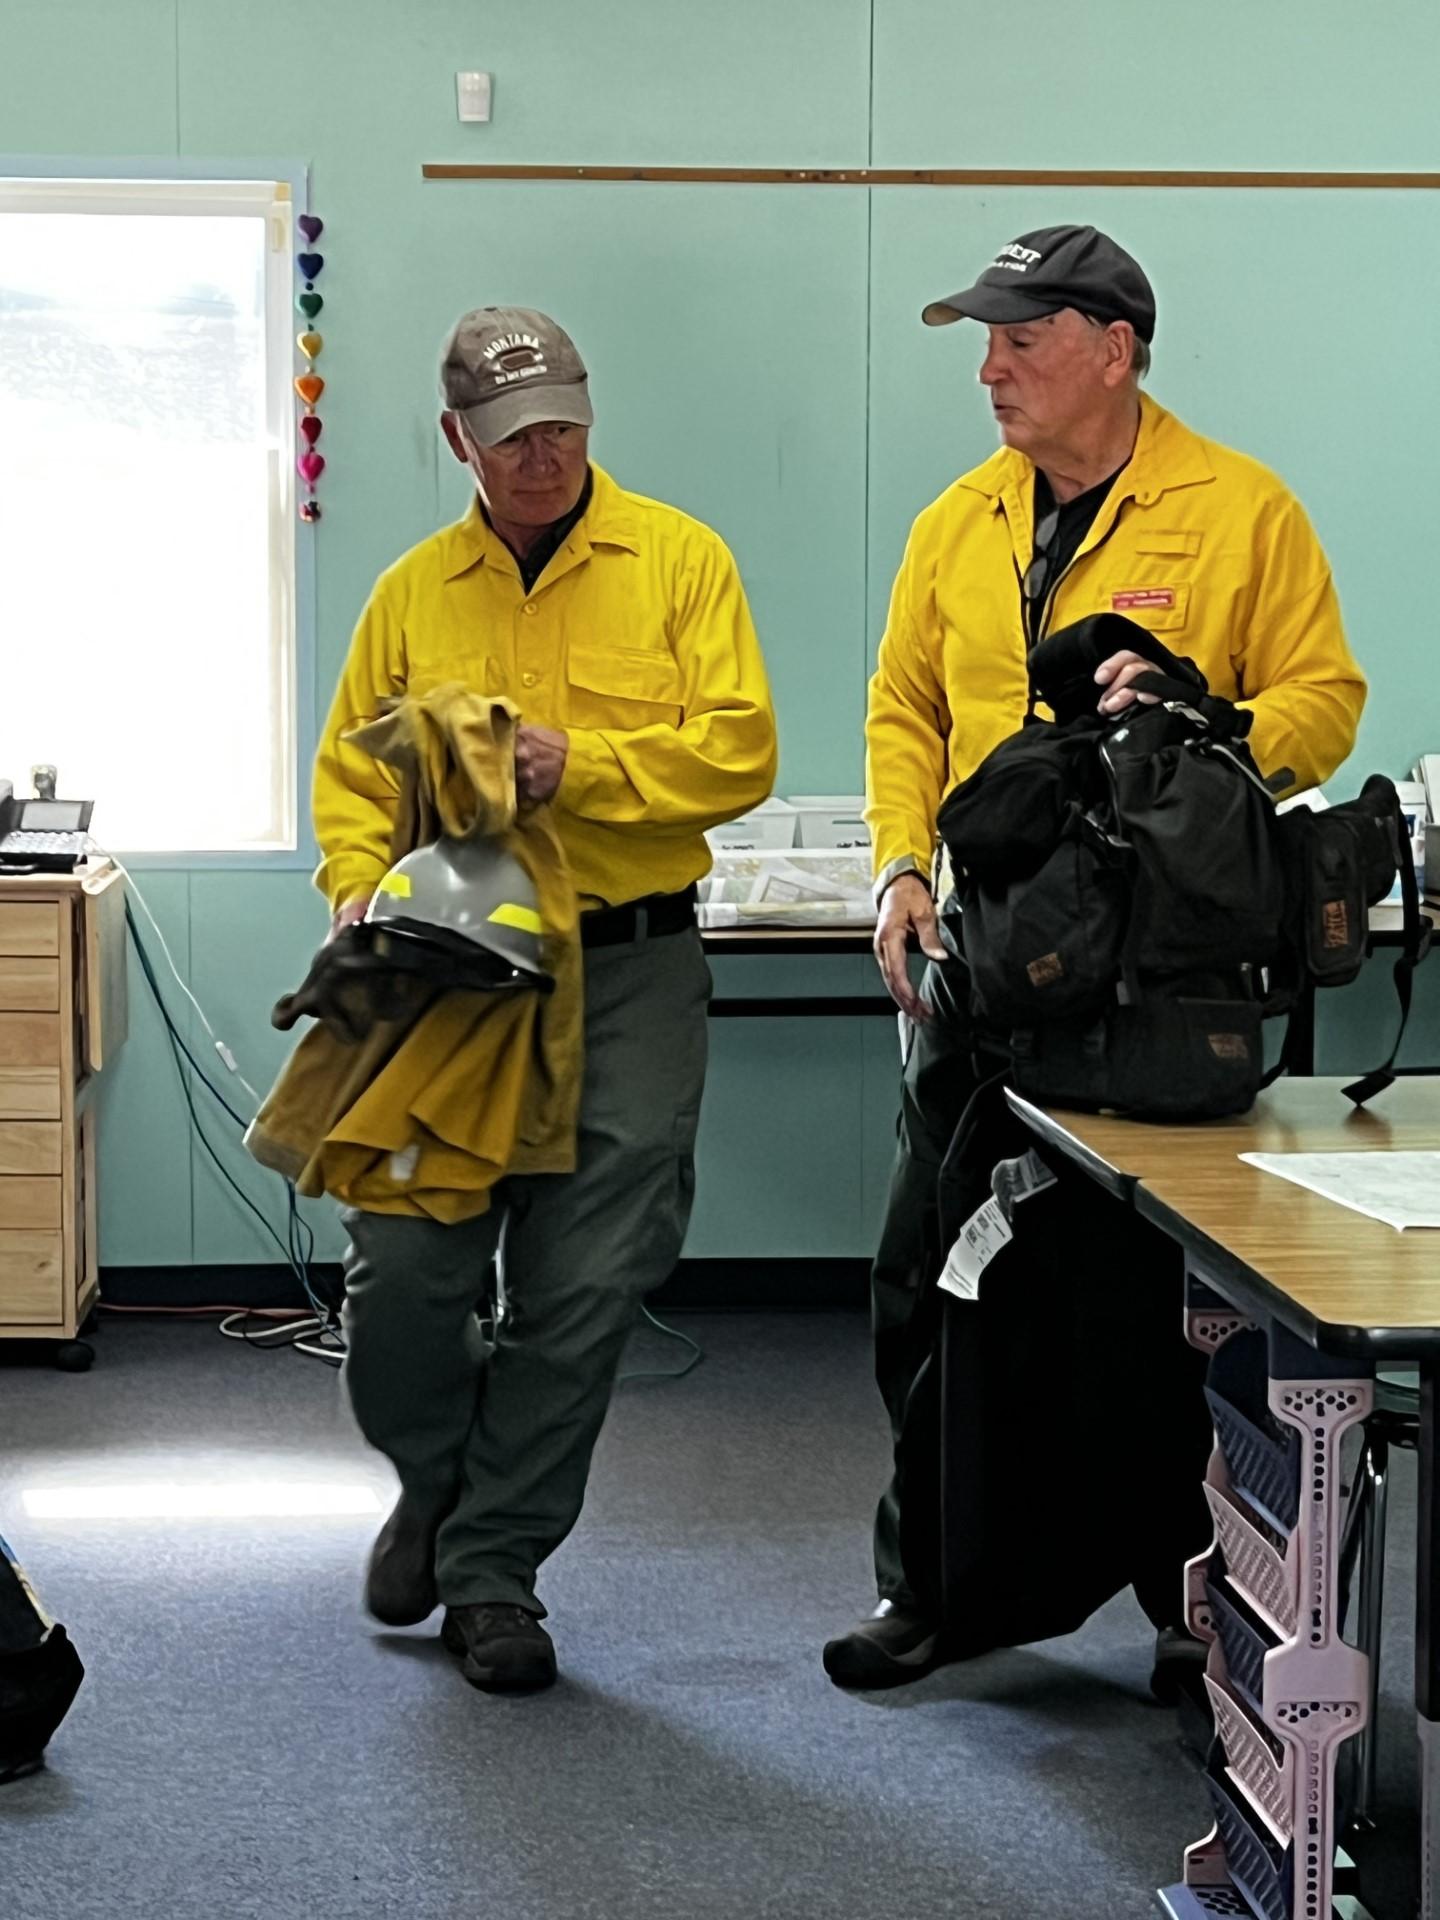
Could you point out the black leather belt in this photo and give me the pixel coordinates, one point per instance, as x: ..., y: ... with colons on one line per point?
x: 646, y: 919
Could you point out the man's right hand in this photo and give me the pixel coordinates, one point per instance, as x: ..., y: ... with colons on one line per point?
x: 906, y: 906
x: 347, y: 915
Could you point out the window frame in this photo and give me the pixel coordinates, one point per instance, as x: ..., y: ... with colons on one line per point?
x: 292, y: 178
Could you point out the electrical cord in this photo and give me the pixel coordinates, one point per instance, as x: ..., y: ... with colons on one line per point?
x: 220, y: 1047
x: 697, y: 1354
x: 299, y: 1245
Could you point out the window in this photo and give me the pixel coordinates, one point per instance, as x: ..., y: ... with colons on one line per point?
x: 147, y: 509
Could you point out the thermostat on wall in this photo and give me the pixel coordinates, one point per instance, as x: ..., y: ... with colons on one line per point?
x: 472, y: 96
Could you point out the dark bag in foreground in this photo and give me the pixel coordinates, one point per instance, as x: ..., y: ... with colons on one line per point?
x: 1070, y: 1347
x: 1131, y: 905
x: 40, y: 1673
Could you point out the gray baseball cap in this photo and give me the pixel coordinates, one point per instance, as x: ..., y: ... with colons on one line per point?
x: 504, y: 368
x: 1054, y: 267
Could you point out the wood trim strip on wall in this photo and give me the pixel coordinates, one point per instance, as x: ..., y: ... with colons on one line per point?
x: 928, y: 176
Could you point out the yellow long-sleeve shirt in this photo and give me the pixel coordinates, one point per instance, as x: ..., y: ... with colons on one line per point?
x: 1202, y: 545
x: 636, y: 641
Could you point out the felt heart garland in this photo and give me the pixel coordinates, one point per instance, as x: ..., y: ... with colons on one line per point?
x: 308, y: 385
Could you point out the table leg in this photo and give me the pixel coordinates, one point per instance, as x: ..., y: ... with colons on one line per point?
x: 1286, y: 1688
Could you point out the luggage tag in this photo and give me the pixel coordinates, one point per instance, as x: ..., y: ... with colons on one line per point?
x: 988, y: 1229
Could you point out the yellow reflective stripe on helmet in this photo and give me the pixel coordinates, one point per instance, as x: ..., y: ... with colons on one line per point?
x: 396, y: 883
x: 525, y: 918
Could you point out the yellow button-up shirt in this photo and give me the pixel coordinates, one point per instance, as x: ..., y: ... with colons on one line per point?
x: 636, y: 642
x: 1202, y: 545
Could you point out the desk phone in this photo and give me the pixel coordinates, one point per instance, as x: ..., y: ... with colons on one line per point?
x: 42, y: 836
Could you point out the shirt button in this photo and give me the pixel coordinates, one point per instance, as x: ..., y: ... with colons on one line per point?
x: 530, y: 607
x: 528, y: 679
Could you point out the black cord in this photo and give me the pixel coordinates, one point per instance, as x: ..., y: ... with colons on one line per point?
x: 299, y: 1245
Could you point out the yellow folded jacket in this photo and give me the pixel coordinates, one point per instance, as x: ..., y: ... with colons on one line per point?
x: 424, y: 1118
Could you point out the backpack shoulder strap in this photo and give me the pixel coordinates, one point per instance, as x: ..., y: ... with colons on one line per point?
x: 1417, y: 935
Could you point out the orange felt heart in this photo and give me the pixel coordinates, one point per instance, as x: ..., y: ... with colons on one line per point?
x: 309, y: 386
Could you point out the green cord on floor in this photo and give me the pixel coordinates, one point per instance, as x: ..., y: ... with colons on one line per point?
x: 697, y: 1354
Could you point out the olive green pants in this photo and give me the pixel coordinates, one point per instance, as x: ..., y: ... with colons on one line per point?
x: 494, y: 1442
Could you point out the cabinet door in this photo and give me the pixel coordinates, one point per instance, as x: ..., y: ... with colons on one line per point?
x: 105, y: 1002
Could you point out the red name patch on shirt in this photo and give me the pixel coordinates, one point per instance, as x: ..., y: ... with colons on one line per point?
x: 1142, y: 597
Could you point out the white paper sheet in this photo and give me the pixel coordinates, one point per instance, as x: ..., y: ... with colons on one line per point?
x: 1402, y: 1189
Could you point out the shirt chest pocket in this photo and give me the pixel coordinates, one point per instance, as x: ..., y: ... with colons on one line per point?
x: 1153, y: 584
x: 624, y: 687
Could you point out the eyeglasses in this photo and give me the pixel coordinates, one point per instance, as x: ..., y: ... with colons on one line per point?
x: 1037, y: 574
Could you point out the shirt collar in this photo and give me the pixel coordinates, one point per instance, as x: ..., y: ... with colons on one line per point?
x: 608, y: 521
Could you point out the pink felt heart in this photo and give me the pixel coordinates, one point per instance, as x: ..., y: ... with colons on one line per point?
x: 311, y: 225
x: 310, y: 466
x: 310, y: 427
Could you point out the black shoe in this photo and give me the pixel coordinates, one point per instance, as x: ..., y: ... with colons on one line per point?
x: 502, y: 1649
x: 895, y: 1645
x: 400, y: 1580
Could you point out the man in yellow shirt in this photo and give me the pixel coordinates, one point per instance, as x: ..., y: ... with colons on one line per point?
x: 619, y: 628
x: 1098, y: 501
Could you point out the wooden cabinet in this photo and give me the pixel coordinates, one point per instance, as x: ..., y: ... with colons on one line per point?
x: 62, y: 1019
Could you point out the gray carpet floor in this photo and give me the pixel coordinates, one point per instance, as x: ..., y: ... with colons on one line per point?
x: 246, y: 1744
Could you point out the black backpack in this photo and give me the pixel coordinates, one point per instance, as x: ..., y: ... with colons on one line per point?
x: 1130, y: 903
x: 40, y: 1673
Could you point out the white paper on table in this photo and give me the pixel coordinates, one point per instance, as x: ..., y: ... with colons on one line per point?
x: 788, y: 887
x: 1402, y: 1189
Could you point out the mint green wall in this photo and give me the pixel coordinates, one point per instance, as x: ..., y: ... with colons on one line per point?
x: 756, y: 358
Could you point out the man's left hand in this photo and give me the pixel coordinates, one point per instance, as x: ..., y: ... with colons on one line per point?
x: 1115, y: 675
x: 539, y: 763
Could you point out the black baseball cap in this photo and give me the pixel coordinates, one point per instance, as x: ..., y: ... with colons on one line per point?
x: 1054, y: 267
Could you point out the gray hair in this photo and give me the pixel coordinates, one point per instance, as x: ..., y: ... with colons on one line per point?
x: 1140, y: 356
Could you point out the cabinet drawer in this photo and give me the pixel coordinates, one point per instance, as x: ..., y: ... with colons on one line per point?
x: 29, y: 1203
x: 30, y: 927
x: 30, y: 1147
x: 29, y: 986
x: 29, y: 1093
x: 32, y: 1267
x: 29, y: 1040
x: 29, y: 1066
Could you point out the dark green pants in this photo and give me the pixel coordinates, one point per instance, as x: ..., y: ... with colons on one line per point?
x: 938, y: 1080
x: 496, y: 1444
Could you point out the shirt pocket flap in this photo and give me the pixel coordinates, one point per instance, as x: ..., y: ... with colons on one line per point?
x: 1176, y: 544
x: 627, y: 673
